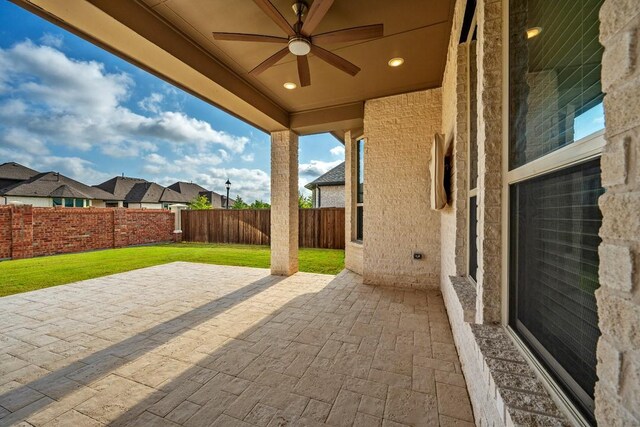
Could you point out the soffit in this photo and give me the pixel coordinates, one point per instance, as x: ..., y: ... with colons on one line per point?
x: 418, y: 31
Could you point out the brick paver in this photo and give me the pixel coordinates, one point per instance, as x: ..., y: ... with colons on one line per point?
x: 198, y: 345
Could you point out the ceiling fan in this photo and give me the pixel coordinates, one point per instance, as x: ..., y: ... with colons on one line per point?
x: 300, y: 40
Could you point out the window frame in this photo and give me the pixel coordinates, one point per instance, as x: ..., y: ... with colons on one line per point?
x: 359, y: 223
x: 583, y: 150
x: 471, y: 192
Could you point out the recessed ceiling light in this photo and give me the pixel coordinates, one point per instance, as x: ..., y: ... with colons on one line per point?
x: 533, y: 32
x: 290, y: 85
x: 396, y: 62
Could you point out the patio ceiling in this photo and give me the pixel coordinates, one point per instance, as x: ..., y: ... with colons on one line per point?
x: 172, y: 38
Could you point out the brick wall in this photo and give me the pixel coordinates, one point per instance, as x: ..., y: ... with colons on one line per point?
x: 26, y: 231
x: 5, y: 233
x: 398, y: 219
x: 617, y: 394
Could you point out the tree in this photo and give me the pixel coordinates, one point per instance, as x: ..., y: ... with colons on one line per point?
x: 304, y: 202
x: 259, y: 204
x: 200, y: 202
x: 238, y: 203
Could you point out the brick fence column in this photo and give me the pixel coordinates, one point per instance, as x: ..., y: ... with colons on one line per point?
x: 21, y: 232
x: 284, y: 203
x: 617, y: 395
x: 120, y: 232
x: 489, y: 54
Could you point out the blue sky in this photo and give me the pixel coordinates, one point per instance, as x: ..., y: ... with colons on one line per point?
x: 68, y: 106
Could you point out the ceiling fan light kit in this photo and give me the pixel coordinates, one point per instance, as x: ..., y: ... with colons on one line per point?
x: 300, y: 41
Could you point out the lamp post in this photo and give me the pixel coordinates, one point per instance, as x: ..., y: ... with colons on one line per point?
x: 228, y: 185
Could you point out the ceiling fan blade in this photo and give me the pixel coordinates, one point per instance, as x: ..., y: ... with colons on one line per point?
x: 351, y: 34
x: 303, y: 70
x: 335, y: 60
x: 271, y: 11
x: 270, y: 61
x: 318, y: 9
x: 239, y: 37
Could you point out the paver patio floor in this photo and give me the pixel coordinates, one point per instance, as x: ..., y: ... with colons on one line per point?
x: 198, y: 345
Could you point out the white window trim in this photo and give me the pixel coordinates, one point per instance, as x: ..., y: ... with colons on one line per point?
x: 580, y: 151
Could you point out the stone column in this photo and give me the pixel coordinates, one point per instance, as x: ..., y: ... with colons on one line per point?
x: 617, y: 395
x: 284, y: 203
x: 489, y: 54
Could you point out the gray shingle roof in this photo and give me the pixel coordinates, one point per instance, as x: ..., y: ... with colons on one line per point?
x: 119, y: 186
x: 190, y: 191
x: 334, y: 177
x: 138, y: 190
x: 17, y: 172
x: 53, y: 184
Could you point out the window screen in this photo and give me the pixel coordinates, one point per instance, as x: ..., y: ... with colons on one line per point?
x: 554, y: 80
x: 473, y: 236
x: 554, y: 272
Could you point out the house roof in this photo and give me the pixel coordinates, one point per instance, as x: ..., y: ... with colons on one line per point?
x: 191, y: 190
x: 119, y: 186
x: 53, y: 184
x: 334, y: 177
x: 15, y: 171
x: 138, y: 190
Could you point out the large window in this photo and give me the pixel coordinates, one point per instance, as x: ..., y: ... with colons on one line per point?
x: 360, y: 190
x: 555, y: 139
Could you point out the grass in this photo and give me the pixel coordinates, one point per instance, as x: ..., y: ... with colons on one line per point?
x: 37, y: 273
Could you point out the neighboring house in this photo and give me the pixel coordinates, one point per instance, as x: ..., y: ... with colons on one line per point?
x: 52, y: 189
x: 327, y: 191
x: 139, y: 193
x: 13, y: 173
x: 191, y: 191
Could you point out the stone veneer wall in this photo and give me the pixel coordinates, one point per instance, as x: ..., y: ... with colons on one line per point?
x: 398, y: 219
x: 284, y: 203
x: 453, y: 225
x: 617, y: 396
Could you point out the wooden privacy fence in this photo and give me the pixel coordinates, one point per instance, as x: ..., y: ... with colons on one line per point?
x: 319, y: 228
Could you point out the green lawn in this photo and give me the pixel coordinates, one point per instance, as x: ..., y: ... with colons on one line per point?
x: 36, y: 273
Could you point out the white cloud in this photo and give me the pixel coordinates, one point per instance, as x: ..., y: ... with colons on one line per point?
x: 307, y: 172
x: 151, y: 102
x: 53, y: 40
x: 249, y: 157
x: 79, y: 104
x: 337, y: 151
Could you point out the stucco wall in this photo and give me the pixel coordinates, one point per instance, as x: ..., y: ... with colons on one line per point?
x: 617, y: 394
x: 397, y: 216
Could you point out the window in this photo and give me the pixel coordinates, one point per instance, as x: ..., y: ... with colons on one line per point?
x: 360, y: 190
x: 68, y: 203
x: 472, y: 87
x: 79, y: 203
x: 555, y: 140
x: 57, y: 201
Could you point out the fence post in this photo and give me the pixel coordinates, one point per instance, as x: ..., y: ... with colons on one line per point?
x: 21, y: 231
x: 120, y: 236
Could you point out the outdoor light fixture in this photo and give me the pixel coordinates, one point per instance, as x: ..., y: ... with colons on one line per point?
x: 533, y: 32
x: 396, y: 62
x: 228, y: 185
x: 290, y: 85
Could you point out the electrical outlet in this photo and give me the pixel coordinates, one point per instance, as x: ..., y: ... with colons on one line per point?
x: 417, y: 255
